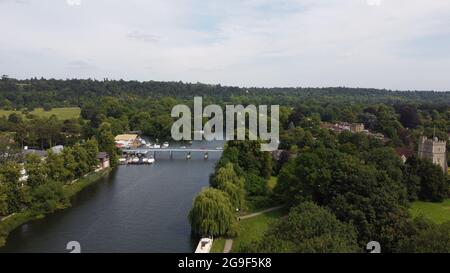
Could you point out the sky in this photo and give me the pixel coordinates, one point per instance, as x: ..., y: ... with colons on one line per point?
x: 392, y: 44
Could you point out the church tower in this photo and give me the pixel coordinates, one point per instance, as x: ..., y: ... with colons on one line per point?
x: 434, y: 150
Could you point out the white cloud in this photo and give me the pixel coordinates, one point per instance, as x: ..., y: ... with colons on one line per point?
x: 73, y: 2
x: 234, y: 42
x: 374, y: 2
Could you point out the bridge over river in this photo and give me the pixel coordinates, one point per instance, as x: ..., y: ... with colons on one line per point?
x: 170, y: 151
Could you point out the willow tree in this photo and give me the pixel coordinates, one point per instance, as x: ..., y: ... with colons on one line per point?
x: 228, y: 181
x: 212, y: 213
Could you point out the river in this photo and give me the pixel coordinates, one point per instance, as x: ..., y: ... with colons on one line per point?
x: 136, y: 208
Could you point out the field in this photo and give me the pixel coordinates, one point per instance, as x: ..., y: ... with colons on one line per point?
x: 436, y: 212
x: 61, y: 113
x: 252, y: 229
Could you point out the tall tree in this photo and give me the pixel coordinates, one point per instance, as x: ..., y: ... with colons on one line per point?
x: 212, y: 213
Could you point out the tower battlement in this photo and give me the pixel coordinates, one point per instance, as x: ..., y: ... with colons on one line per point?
x: 434, y: 150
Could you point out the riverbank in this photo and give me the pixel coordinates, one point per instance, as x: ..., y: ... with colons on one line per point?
x: 15, y: 220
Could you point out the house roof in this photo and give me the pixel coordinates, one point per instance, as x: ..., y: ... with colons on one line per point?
x: 126, y: 137
x: 407, y: 152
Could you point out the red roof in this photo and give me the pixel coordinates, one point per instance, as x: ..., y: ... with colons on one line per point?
x: 407, y: 152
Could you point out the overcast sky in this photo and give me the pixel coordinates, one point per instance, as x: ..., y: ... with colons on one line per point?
x: 394, y: 44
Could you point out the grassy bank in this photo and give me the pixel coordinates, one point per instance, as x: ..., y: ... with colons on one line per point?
x: 17, y: 219
x: 252, y: 229
x: 218, y: 245
x: 249, y: 230
x: 436, y: 212
x: 62, y: 113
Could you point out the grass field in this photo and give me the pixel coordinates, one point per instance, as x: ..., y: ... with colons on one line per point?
x: 436, y: 212
x: 218, y: 245
x: 61, y: 113
x: 249, y: 230
x: 252, y: 229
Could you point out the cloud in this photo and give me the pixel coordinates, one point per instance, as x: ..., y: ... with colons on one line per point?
x: 144, y: 37
x: 15, y: 1
x: 73, y: 2
x: 374, y: 2
x: 79, y: 65
x: 400, y: 45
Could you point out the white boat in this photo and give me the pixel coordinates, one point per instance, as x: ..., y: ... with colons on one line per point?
x: 157, y: 146
x: 122, y: 160
x: 135, y: 160
x: 183, y: 147
x: 219, y: 148
x: 150, y: 160
x: 165, y: 144
x: 145, y: 160
x: 204, y: 246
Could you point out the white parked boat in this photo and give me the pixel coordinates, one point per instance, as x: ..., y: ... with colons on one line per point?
x: 165, y: 144
x: 135, y: 160
x: 204, y: 246
x: 122, y: 160
x: 150, y: 160
x: 145, y: 160
x: 157, y: 146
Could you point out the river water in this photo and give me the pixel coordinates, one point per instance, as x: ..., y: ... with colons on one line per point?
x: 136, y: 208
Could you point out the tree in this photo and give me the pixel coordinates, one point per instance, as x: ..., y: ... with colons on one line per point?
x: 69, y: 164
x: 81, y: 158
x: 255, y: 185
x: 36, y: 170
x: 212, y: 213
x: 3, y: 198
x: 106, y: 143
x: 55, y: 167
x: 409, y: 117
x: 228, y: 181
x: 357, y: 193
x: 91, y: 148
x: 9, y: 175
x: 46, y: 197
x: 307, y: 228
x: 427, y: 179
x: 427, y: 237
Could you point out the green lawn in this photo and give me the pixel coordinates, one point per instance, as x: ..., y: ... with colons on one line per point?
x: 436, y: 212
x: 252, y: 229
x: 61, y: 113
x: 218, y: 245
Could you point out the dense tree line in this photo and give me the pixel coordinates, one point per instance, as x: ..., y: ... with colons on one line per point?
x: 362, y: 183
x: 53, y: 93
x: 37, y: 184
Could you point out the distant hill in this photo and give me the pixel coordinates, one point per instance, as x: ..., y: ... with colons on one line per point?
x: 50, y: 93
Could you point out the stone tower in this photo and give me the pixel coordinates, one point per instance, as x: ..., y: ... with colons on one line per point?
x: 434, y: 150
